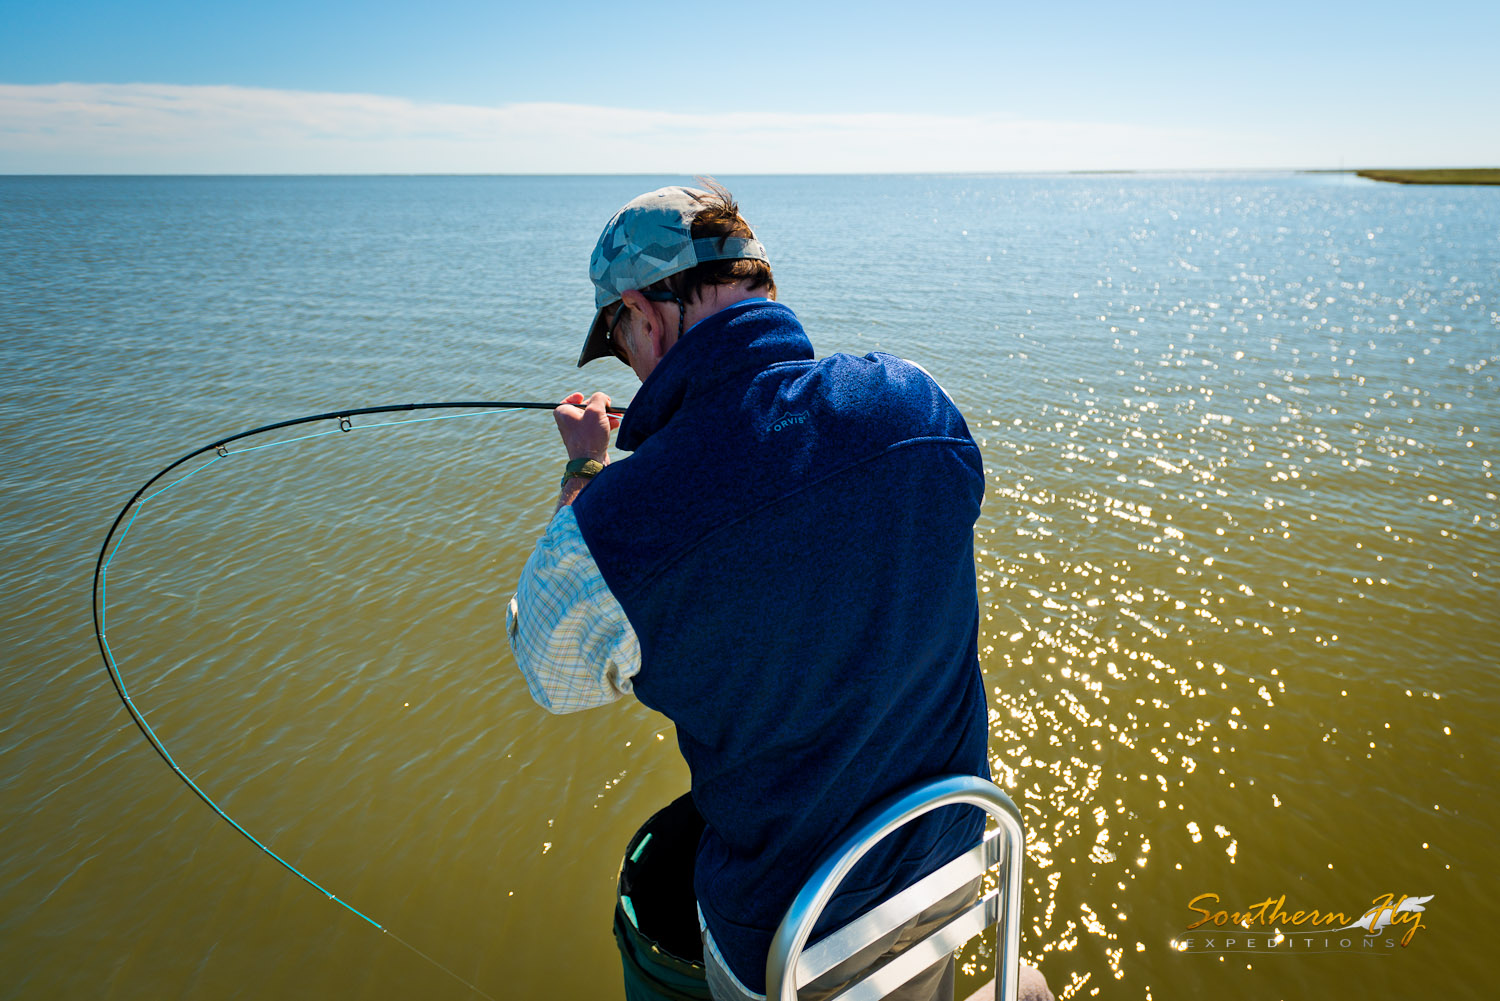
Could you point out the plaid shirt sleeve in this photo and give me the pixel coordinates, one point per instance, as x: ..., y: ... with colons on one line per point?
x: 570, y: 636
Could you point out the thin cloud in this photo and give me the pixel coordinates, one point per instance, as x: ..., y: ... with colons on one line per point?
x: 165, y: 128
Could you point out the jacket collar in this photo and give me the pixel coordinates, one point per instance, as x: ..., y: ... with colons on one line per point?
x: 745, y: 337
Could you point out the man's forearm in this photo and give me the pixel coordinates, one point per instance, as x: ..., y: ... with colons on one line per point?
x: 571, y: 488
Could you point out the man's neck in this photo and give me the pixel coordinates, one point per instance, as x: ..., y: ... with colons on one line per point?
x: 713, y: 298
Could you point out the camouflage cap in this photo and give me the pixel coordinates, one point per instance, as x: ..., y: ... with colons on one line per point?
x: 646, y: 241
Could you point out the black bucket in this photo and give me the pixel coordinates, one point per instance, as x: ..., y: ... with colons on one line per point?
x: 656, y: 913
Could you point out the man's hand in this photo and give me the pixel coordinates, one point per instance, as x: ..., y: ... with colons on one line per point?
x: 585, y: 432
x: 584, y: 427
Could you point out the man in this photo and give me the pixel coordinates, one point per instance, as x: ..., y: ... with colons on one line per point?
x: 784, y: 568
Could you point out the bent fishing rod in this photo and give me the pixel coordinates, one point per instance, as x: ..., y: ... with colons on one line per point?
x: 220, y: 448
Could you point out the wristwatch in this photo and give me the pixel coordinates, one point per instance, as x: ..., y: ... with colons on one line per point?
x: 583, y: 469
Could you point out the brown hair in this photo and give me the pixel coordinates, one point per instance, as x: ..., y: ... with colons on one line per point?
x: 720, y: 216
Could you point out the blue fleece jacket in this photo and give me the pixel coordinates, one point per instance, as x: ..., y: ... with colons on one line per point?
x: 792, y: 542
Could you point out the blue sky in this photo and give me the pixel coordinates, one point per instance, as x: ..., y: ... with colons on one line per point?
x: 163, y: 85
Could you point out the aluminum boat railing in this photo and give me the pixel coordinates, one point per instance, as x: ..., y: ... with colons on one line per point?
x: 790, y: 966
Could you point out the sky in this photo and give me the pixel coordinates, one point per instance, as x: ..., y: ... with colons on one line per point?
x: 165, y: 86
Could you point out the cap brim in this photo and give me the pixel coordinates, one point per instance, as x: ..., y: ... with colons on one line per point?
x: 596, y: 345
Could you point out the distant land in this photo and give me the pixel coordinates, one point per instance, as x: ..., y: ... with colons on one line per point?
x: 1436, y: 175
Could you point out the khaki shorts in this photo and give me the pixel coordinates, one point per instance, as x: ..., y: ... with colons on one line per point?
x: 933, y: 984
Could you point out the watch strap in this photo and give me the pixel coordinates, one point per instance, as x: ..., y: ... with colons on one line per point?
x: 583, y: 469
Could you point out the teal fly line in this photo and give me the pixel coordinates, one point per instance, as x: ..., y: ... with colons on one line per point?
x: 221, y: 450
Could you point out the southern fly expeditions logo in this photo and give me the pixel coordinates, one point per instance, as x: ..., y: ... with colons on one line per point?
x: 1269, y: 927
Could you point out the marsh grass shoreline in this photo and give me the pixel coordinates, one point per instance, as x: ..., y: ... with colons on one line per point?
x: 1466, y: 175
x: 1422, y: 175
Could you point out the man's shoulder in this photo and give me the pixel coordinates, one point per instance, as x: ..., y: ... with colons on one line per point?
x: 881, y: 390
x: 793, y: 420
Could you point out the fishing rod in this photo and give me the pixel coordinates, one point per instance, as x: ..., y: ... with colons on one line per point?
x: 220, y: 448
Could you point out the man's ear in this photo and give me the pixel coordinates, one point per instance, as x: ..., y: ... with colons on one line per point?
x: 633, y: 300
x: 650, y: 314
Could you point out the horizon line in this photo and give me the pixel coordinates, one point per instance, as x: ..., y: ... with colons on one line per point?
x: 809, y: 173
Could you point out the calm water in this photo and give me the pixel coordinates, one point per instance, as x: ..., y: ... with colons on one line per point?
x: 1237, y: 569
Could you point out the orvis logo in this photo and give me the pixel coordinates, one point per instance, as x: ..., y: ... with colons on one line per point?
x: 788, y: 421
